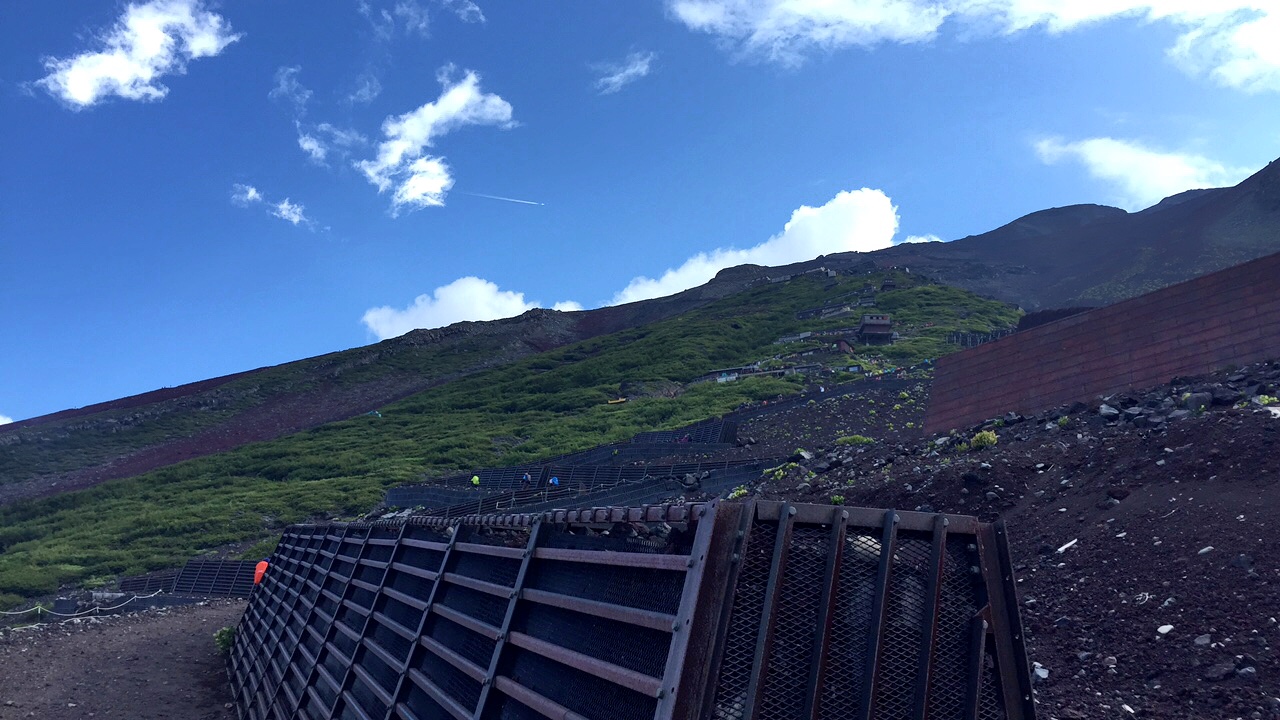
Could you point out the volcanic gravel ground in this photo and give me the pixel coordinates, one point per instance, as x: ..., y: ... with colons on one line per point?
x: 160, y: 664
x: 1174, y: 529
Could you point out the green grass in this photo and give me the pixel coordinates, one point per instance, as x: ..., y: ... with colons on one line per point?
x: 529, y: 409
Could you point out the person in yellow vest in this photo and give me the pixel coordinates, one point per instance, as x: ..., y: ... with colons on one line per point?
x: 475, y: 481
x: 260, y: 570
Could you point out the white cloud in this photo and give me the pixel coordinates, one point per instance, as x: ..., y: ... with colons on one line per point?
x: 423, y: 180
x: 312, y: 146
x: 244, y: 195
x: 368, y: 87
x: 414, y: 16
x: 290, y: 90
x: 5, y: 419
x: 467, y: 298
x: 287, y: 210
x: 618, y: 75
x: 785, y: 30
x: 149, y: 41
x: 1141, y: 176
x: 567, y: 306
x: 325, y: 138
x: 1231, y: 41
x: 913, y: 239
x: 858, y: 220
x: 290, y: 212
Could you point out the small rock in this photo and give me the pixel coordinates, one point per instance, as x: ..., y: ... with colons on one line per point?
x: 1109, y: 661
x: 1203, y: 640
x: 1247, y: 673
x: 1040, y: 675
x: 1219, y: 672
x: 1164, y: 629
x: 1108, y: 412
x: 1205, y: 550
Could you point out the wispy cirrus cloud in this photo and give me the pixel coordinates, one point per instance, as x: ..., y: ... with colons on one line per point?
x: 289, y: 90
x: 149, y: 41
x: 467, y: 298
x: 368, y: 87
x: 417, y: 179
x: 243, y: 195
x: 1231, y: 41
x: 1140, y: 176
x: 617, y: 75
x: 322, y: 140
x: 413, y: 16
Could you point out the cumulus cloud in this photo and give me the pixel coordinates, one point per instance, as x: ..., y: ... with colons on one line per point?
x: 289, y: 90
x: 911, y: 239
x: 289, y: 212
x: 245, y: 195
x: 422, y: 180
x: 467, y: 298
x: 5, y: 419
x: 1231, y: 41
x: 149, y: 41
x: 858, y: 220
x: 1141, y: 176
x: 618, y: 75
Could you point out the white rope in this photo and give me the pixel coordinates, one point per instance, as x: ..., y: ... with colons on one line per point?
x: 40, y: 609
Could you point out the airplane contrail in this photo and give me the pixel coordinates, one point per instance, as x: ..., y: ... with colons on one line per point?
x: 499, y: 197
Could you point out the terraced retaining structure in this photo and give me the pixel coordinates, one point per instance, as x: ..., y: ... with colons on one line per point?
x: 710, y: 610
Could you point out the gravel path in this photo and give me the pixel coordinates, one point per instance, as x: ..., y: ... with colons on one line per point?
x: 159, y: 664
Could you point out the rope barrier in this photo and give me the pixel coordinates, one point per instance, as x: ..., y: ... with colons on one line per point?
x: 40, y: 609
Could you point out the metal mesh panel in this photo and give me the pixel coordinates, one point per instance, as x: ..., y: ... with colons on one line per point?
x: 850, y: 623
x: 582, y: 693
x: 476, y: 648
x: 643, y: 588
x: 481, y: 606
x: 449, y: 679
x: 791, y: 653
x: 959, y: 603
x: 748, y: 604
x: 901, y: 636
x: 496, y: 570
x: 637, y: 648
x: 366, y: 699
x: 990, y: 705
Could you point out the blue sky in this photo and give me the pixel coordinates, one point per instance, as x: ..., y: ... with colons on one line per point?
x: 197, y: 188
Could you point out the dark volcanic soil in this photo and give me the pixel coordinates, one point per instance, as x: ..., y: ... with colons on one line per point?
x: 159, y: 665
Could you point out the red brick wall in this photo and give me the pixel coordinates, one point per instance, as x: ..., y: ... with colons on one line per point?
x: 1231, y: 317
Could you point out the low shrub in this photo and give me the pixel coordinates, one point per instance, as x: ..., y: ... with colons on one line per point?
x: 855, y: 440
x: 986, y: 438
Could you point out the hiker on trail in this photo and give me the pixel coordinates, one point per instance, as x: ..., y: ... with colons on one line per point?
x: 525, y: 480
x: 475, y: 481
x: 260, y: 570
x: 555, y: 481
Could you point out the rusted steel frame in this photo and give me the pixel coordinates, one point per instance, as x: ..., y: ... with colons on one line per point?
x: 402, y: 598
x: 631, y: 616
x: 764, y: 636
x: 1002, y: 601
x: 646, y: 685
x: 697, y: 684
x: 977, y: 657
x: 538, y: 703
x: 810, y: 514
x: 476, y: 626
x: 424, y: 544
x: 401, y: 690
x: 1021, y: 664
x: 929, y: 619
x: 468, y: 668
x: 612, y: 557
x: 471, y: 583
x: 423, y: 573
x: 504, y: 632
x: 451, y: 706
x: 826, y: 613
x: 363, y: 636
x: 888, y: 539
x: 673, y: 676
x: 306, y: 624
x: 490, y: 550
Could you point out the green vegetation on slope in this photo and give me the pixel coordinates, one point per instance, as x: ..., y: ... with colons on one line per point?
x: 543, y: 405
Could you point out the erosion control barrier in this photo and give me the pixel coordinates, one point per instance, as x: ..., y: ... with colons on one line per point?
x: 711, y: 610
x: 1230, y: 317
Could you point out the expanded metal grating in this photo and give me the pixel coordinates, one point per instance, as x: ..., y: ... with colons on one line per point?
x: 216, y: 578
x: 717, y: 610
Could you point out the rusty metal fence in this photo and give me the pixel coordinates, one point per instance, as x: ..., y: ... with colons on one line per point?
x: 710, y: 610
